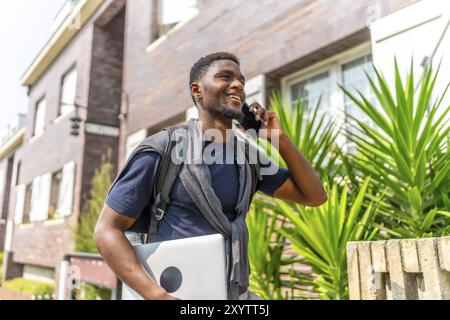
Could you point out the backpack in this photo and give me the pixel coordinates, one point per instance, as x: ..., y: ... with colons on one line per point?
x: 165, y: 177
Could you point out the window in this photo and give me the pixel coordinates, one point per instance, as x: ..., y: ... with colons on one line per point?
x: 171, y: 12
x: 54, y: 194
x: 311, y: 91
x: 40, y: 198
x: 322, y: 81
x: 65, y: 190
x: 68, y: 92
x: 39, y: 119
x: 354, y: 79
x: 39, y: 273
x: 26, y: 203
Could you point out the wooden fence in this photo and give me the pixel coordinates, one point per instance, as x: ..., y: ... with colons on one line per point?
x: 412, y: 269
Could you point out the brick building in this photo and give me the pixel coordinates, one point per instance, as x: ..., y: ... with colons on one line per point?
x: 126, y: 65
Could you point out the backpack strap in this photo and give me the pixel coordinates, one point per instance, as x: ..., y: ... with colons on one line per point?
x: 166, y: 175
x: 165, y: 178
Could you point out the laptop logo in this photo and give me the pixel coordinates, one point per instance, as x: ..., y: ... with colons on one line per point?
x: 171, y: 279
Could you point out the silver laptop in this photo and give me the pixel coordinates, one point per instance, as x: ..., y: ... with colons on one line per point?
x: 189, y: 269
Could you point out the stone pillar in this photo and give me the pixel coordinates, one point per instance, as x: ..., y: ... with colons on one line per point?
x: 63, y: 292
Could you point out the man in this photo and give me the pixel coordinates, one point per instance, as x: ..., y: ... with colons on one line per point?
x: 217, y: 88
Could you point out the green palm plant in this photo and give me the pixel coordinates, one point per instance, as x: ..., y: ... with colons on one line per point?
x: 406, y: 152
x: 312, y: 134
x: 274, y: 275
x: 320, y: 235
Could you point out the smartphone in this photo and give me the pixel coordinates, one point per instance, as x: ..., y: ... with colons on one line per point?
x: 249, y: 120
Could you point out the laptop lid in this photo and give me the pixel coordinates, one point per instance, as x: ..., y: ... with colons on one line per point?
x: 189, y: 269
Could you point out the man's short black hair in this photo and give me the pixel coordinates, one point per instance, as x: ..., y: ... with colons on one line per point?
x: 201, y: 66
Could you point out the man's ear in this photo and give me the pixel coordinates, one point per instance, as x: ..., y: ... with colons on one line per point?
x: 195, y: 89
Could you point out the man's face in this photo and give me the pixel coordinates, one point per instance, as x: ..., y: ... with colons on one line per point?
x: 222, y: 90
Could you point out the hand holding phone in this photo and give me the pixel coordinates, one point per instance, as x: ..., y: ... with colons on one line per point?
x: 249, y: 120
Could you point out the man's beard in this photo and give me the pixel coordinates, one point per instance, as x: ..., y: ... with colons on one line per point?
x: 227, y: 113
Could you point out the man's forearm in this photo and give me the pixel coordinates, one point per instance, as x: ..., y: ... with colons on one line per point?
x: 122, y: 259
x: 303, y: 174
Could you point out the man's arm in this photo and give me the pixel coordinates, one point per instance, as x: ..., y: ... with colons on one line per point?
x: 120, y: 256
x: 303, y: 186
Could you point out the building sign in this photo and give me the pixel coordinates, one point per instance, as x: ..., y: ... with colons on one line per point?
x: 102, y: 130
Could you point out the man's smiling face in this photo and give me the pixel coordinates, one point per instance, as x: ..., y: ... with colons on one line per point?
x: 222, y: 90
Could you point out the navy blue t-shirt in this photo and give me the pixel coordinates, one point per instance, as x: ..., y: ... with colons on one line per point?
x: 131, y: 195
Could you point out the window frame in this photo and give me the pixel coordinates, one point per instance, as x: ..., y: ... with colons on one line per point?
x: 157, y: 41
x: 39, y: 101
x: 72, y: 68
x: 333, y: 66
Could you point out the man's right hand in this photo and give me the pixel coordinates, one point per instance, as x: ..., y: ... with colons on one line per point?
x: 121, y: 257
x: 159, y: 295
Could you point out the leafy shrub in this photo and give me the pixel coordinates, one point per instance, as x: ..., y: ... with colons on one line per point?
x: 28, y: 286
x: 406, y: 153
x: 92, y: 292
x: 84, y: 230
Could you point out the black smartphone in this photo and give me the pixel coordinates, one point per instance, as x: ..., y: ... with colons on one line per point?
x: 249, y: 120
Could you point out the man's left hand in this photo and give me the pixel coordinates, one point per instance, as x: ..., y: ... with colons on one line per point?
x: 272, y: 124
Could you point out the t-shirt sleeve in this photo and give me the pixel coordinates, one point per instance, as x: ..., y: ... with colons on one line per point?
x: 132, y: 191
x: 271, y: 176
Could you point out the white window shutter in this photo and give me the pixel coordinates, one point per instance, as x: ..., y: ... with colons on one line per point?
x: 40, y: 118
x: 20, y: 202
x: 65, y: 197
x: 44, y: 196
x: 35, y: 199
x: 9, y: 235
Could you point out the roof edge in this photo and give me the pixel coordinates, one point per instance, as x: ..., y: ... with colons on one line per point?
x: 74, y: 22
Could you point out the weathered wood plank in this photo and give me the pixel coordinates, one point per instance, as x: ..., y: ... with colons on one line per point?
x: 366, y: 272
x: 379, y: 256
x: 403, y: 285
x: 353, y: 271
x: 436, y: 280
x: 444, y: 253
x: 410, y: 256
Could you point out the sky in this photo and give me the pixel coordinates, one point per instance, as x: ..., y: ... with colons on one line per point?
x: 25, y: 27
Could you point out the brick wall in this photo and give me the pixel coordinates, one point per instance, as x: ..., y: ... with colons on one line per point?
x: 267, y: 35
x: 105, y: 95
